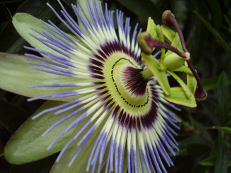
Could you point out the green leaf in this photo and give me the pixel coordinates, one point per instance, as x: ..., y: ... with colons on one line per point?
x: 228, y: 21
x: 210, y: 161
x: 7, y: 2
x: 218, y: 37
x: 216, y: 10
x: 178, y: 96
x: 17, y: 77
x: 212, y: 83
x: 142, y: 9
x: 160, y: 75
x: 222, y: 162
x: 180, y: 10
x: 27, y: 144
x: 222, y: 128
x: 223, y: 95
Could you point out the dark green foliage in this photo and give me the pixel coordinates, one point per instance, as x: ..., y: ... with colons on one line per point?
x: 204, y: 138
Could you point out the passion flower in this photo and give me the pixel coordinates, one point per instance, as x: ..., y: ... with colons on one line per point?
x: 120, y: 120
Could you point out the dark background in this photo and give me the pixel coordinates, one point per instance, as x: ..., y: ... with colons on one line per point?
x: 206, y: 25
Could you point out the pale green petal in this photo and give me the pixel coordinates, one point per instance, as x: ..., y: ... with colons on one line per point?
x: 80, y: 164
x: 17, y: 77
x: 27, y: 25
x: 24, y: 24
x: 27, y: 144
x: 83, y: 4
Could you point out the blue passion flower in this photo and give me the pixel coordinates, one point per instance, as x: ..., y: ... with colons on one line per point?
x: 120, y: 119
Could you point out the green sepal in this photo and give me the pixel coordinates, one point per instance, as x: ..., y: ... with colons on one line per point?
x: 168, y: 32
x: 160, y: 74
x: 184, y: 69
x: 151, y: 28
x: 27, y: 143
x: 178, y: 96
x: 182, y: 84
x: 17, y: 77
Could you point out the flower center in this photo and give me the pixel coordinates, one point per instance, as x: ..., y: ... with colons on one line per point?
x: 124, y: 87
x: 126, y: 83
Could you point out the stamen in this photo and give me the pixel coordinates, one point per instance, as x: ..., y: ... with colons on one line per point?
x: 169, y: 19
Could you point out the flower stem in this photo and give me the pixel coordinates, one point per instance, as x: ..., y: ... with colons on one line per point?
x: 200, y: 93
